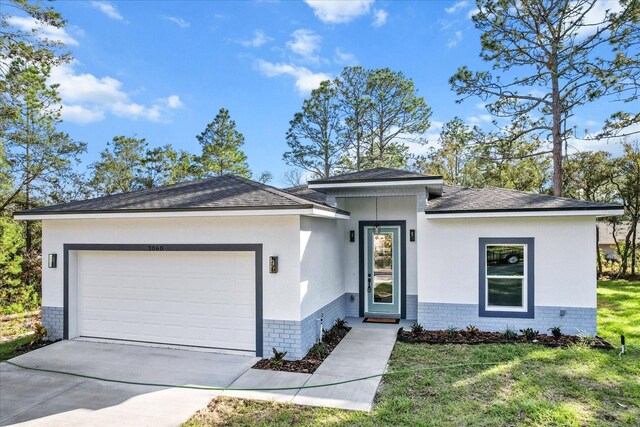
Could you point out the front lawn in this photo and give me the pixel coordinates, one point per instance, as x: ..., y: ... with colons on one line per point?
x: 525, y: 385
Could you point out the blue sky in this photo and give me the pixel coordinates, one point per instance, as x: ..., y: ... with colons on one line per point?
x: 162, y: 70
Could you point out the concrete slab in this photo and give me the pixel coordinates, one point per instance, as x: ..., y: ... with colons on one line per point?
x: 259, y: 378
x: 36, y: 398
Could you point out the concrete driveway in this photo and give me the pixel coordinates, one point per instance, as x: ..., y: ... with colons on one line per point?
x: 47, y: 399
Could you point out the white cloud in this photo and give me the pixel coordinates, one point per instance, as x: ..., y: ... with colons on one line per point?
x: 482, y: 118
x: 436, y: 125
x: 473, y: 12
x: 457, y: 6
x: 43, y: 30
x: 174, y: 102
x: 178, y: 21
x: 259, y: 38
x: 305, y: 43
x: 339, y: 12
x: 344, y: 58
x: 108, y: 9
x: 305, y: 79
x: 379, y: 18
x: 455, y: 40
x: 596, y: 15
x: 80, y: 114
x: 87, y: 98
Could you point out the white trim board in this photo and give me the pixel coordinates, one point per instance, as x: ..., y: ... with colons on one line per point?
x: 313, y: 212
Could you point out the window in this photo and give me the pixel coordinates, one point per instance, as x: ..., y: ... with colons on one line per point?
x: 506, y: 277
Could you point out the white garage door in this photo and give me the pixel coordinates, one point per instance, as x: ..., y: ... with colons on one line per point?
x: 187, y: 298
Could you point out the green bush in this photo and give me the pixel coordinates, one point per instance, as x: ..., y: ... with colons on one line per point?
x: 17, y: 295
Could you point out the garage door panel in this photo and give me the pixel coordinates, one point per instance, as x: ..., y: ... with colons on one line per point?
x: 188, y: 298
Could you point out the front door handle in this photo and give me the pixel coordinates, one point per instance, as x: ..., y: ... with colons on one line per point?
x: 369, y: 286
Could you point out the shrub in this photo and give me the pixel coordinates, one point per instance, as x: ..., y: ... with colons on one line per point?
x: 452, y: 331
x: 278, y: 356
x: 585, y: 337
x: 341, y: 324
x: 319, y: 351
x: 556, y: 332
x: 417, y: 329
x: 472, y: 330
x: 40, y: 330
x: 529, y: 334
x: 509, y: 333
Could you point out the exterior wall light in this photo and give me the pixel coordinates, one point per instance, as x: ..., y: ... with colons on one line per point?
x: 52, y: 260
x: 273, y: 264
x: 412, y: 235
x: 352, y: 236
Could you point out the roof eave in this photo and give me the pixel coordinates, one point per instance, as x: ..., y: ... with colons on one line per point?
x: 526, y: 212
x: 306, y: 210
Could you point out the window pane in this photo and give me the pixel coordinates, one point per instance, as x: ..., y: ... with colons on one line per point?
x: 505, y: 260
x: 383, y: 268
x: 505, y: 292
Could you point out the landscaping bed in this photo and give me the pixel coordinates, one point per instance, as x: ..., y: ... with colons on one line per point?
x: 471, y: 335
x: 316, y: 355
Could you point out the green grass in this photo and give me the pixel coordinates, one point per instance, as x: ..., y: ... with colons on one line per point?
x: 529, y: 385
x: 11, y: 349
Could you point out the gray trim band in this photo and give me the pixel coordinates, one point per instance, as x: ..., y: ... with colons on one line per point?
x: 529, y: 241
x: 403, y: 262
x: 240, y: 247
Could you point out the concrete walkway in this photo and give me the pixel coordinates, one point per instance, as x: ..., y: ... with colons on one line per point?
x: 363, y: 352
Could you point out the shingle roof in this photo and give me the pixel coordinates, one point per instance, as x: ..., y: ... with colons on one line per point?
x: 457, y: 199
x: 307, y: 193
x: 376, y: 174
x: 227, y: 192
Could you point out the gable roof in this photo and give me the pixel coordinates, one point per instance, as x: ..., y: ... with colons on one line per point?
x: 226, y: 192
x: 376, y: 174
x: 457, y: 199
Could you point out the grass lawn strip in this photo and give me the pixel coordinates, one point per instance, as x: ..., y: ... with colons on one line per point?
x: 531, y: 385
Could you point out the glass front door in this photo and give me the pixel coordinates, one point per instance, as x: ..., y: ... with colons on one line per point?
x: 383, y: 267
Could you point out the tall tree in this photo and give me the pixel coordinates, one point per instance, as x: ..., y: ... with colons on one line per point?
x: 549, y: 57
x: 221, y: 153
x: 29, y: 46
x: 314, y: 135
x: 626, y: 179
x: 588, y: 176
x: 35, y: 150
x: 397, y: 115
x: 166, y: 165
x: 120, y: 167
x: 453, y: 156
x: 355, y: 106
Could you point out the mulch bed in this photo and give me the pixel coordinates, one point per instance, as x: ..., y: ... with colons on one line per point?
x: 464, y: 337
x: 313, y: 359
x: 34, y: 345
